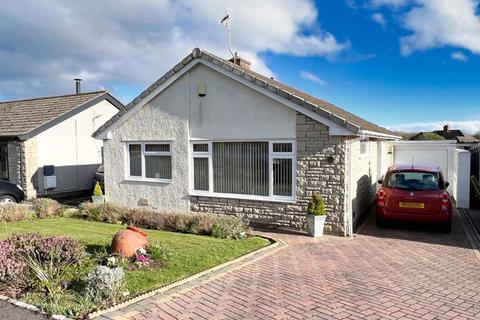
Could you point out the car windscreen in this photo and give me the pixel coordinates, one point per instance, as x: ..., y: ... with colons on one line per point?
x: 414, y: 180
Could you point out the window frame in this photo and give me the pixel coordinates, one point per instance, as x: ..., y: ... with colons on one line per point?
x: 271, y: 156
x: 144, y: 153
x: 365, y: 154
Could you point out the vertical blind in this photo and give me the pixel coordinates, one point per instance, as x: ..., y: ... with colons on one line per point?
x: 157, y: 160
x: 200, y: 178
x: 240, y: 167
x: 158, y: 167
x: 135, y: 154
x: 282, y: 177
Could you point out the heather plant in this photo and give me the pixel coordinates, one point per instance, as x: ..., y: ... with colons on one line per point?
x: 28, y: 260
x: 48, y: 208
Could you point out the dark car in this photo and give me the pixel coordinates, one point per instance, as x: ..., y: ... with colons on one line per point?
x: 99, y: 177
x: 414, y: 193
x: 10, y: 193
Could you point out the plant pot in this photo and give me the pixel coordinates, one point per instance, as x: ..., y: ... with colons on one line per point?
x: 315, y: 225
x: 98, y: 199
x: 128, y: 241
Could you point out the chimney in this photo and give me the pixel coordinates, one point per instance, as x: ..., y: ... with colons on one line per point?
x: 78, y: 87
x: 446, y: 128
x: 242, y: 63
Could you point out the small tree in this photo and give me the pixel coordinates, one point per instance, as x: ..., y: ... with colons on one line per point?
x: 97, y: 191
x: 316, y: 206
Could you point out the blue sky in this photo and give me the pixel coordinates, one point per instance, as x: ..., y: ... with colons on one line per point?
x: 406, y: 64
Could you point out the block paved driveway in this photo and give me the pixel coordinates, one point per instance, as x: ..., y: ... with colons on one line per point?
x: 380, y: 274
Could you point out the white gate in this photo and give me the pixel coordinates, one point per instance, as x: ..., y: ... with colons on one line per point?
x: 455, y: 163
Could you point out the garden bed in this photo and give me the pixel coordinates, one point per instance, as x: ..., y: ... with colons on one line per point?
x: 188, y: 254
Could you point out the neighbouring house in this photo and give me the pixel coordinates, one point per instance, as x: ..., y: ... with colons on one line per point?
x: 464, y: 141
x: 46, y: 145
x: 212, y: 135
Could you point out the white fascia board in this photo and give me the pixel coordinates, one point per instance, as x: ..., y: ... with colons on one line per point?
x: 374, y: 134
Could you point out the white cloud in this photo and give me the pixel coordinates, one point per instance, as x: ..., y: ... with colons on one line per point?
x: 391, y: 3
x: 468, y: 126
x: 380, y: 19
x: 460, y: 56
x: 437, y: 23
x: 313, y: 78
x: 119, y: 42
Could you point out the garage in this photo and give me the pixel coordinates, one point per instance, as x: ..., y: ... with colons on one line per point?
x: 455, y: 163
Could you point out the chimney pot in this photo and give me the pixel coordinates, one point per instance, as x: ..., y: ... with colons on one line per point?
x: 446, y: 128
x: 239, y: 61
x: 78, y: 87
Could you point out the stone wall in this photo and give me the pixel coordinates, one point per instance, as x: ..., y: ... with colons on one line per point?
x: 320, y: 169
x: 22, y: 165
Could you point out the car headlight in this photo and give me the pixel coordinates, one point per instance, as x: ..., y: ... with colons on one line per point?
x: 19, y: 187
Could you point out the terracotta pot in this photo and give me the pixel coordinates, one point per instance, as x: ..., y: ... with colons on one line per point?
x: 128, y: 241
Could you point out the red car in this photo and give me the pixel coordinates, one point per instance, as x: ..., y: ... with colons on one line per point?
x: 414, y: 193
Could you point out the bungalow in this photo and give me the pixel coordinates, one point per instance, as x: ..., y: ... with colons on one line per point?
x: 46, y: 145
x: 211, y: 135
x: 463, y: 140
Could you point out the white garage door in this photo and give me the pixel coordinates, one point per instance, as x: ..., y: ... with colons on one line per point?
x: 437, y: 157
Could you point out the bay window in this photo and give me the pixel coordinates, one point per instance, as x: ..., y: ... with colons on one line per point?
x: 260, y: 170
x: 149, y: 161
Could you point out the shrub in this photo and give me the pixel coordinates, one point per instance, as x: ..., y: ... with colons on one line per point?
x: 48, y: 208
x: 106, y: 284
x: 217, y: 225
x: 13, y: 271
x: 105, y: 212
x: 29, y: 259
x: 316, y: 206
x: 97, y: 190
x: 14, y: 212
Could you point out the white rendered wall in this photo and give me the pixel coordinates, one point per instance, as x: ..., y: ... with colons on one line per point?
x: 70, y: 147
x: 229, y: 111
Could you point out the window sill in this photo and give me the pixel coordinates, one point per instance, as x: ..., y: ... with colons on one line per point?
x: 146, y: 180
x: 242, y: 197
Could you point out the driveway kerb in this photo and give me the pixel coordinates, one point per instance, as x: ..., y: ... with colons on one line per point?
x: 136, y: 305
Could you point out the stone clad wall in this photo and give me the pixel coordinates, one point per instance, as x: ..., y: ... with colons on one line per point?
x: 22, y: 165
x: 320, y: 169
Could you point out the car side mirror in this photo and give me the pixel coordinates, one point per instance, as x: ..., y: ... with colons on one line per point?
x: 446, y: 185
x: 380, y: 181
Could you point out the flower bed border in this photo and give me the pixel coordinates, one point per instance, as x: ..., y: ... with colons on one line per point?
x: 275, y: 244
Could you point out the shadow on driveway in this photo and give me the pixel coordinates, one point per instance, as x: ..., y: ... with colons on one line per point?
x: 419, y: 232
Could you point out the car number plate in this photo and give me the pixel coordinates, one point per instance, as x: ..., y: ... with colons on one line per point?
x: 416, y: 205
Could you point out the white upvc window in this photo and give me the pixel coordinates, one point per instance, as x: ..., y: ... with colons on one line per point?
x: 364, y: 148
x: 256, y: 170
x: 149, y: 161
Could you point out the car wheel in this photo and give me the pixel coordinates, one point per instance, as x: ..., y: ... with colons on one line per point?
x: 7, y: 200
x: 446, y: 227
x: 381, y: 223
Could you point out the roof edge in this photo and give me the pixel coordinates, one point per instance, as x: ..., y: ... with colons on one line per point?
x: 103, y: 95
x: 197, y: 53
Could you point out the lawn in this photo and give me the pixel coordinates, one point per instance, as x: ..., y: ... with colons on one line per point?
x: 189, y: 253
